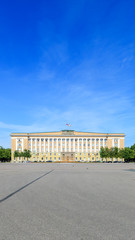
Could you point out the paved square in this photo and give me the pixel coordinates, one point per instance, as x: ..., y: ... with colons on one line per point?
x: 67, y: 201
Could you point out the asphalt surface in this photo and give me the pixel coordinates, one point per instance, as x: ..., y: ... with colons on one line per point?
x: 67, y: 201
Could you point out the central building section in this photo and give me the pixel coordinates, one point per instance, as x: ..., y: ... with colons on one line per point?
x: 68, y: 146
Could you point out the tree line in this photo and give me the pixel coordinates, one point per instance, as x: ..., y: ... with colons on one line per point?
x: 128, y: 153
x: 5, y: 154
x: 25, y: 154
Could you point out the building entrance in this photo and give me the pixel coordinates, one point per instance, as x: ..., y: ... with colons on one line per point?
x: 68, y: 156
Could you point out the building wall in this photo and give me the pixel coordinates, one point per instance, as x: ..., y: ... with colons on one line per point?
x: 54, y: 146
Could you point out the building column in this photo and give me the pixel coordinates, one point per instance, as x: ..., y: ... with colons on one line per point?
x: 95, y: 145
x: 65, y: 144
x: 61, y: 144
x: 52, y: 144
x: 112, y: 142
x: 36, y: 145
x: 78, y: 144
x: 44, y: 144
x: 40, y: 145
x: 118, y: 143
x: 48, y: 144
x: 99, y: 144
x: 86, y: 145
x: 103, y: 142
x: 31, y: 144
x: 90, y: 144
x: 73, y: 144
x: 56, y: 144
x: 82, y: 144
x: 69, y: 144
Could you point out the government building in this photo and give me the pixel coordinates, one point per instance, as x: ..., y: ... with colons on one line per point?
x: 65, y: 146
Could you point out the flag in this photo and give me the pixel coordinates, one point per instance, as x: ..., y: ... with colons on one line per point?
x: 68, y: 124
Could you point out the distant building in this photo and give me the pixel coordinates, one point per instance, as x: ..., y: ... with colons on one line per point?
x: 65, y: 145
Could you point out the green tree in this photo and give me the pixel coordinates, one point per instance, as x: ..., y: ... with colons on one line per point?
x: 5, y: 154
x: 16, y: 154
x: 133, y: 147
x: 104, y: 152
x: 26, y: 154
x: 127, y: 153
x: 115, y: 152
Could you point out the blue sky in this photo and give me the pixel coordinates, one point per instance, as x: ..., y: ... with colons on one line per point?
x: 67, y: 62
